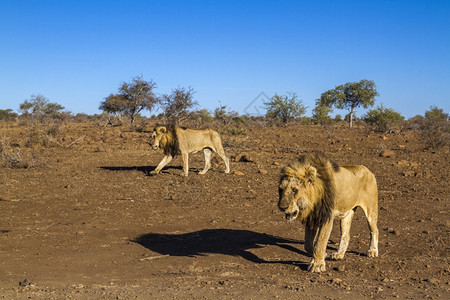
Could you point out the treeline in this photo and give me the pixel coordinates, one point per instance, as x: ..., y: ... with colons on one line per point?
x: 180, y: 107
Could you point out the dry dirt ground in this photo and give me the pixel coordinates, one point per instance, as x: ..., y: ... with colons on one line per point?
x: 85, y: 220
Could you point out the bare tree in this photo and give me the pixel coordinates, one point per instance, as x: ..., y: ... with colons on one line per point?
x: 176, y: 105
x: 132, y: 98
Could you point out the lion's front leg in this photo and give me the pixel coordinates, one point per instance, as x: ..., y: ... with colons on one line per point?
x: 185, y: 163
x: 166, y: 159
x: 317, y: 264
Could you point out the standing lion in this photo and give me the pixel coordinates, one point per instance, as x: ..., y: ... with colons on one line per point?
x: 174, y: 140
x: 316, y: 191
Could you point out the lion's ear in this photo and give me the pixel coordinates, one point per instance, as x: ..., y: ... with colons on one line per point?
x: 162, y: 129
x: 311, y: 172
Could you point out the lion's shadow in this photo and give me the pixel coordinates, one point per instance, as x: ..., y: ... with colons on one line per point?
x: 219, y: 241
x: 144, y: 169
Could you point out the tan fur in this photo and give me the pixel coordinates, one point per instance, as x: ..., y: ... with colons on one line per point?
x: 175, y: 140
x: 316, y: 191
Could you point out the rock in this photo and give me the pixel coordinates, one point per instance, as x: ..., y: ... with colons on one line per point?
x: 403, y: 163
x: 238, y: 173
x: 409, y: 173
x: 276, y: 163
x: 243, y: 158
x: 5, y: 198
x: 387, y: 153
x: 432, y: 281
x: 263, y: 172
x: 341, y: 268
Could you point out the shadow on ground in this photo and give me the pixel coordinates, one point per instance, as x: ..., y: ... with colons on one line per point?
x: 218, y: 241
x: 144, y: 169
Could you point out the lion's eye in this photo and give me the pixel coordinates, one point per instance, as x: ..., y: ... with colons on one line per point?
x: 295, y: 190
x: 309, y: 181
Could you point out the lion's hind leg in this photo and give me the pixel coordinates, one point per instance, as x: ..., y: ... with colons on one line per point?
x: 207, y: 152
x: 346, y: 223
x: 225, y: 159
x: 372, y: 219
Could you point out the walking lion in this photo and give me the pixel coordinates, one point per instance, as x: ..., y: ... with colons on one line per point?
x: 174, y: 140
x: 316, y: 190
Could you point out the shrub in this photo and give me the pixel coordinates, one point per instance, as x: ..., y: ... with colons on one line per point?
x: 435, y: 129
x: 7, y: 115
x: 9, y: 156
x: 224, y: 115
x: 284, y: 108
x: 383, y: 118
x: 178, y: 104
x: 40, y: 109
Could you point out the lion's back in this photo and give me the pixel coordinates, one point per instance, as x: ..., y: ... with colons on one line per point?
x: 355, y: 184
x: 197, y: 139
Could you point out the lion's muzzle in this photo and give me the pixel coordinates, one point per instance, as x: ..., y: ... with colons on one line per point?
x: 291, y: 211
x: 291, y: 216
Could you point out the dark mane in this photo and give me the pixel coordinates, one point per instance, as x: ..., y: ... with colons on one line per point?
x: 323, y: 208
x: 171, y: 145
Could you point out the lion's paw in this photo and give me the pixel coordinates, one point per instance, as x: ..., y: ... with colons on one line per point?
x: 337, y: 255
x: 316, y: 266
x: 154, y: 172
x: 372, y: 253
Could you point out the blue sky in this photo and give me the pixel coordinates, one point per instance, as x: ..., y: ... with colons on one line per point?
x: 78, y: 52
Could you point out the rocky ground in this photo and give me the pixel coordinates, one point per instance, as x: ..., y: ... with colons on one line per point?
x: 81, y: 218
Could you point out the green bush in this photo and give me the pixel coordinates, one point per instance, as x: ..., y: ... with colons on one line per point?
x: 7, y: 115
x: 383, y: 118
x: 284, y: 108
x: 435, y: 128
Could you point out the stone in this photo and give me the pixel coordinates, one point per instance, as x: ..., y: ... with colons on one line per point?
x: 409, y: 173
x: 238, y: 173
x: 387, y: 153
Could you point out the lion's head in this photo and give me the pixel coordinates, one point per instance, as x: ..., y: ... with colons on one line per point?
x: 306, y: 189
x: 157, y: 135
x: 165, y: 138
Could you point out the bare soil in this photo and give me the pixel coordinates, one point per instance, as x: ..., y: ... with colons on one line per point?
x: 83, y: 219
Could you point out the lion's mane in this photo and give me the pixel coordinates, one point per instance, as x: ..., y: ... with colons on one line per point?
x: 169, y: 142
x: 323, y: 193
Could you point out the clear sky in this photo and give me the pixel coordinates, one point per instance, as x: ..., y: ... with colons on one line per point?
x: 77, y: 52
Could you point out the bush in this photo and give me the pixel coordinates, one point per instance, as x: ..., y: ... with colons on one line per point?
x: 284, y: 108
x: 435, y: 128
x: 7, y: 115
x: 178, y: 104
x: 40, y: 109
x: 321, y: 113
x: 9, y: 156
x: 225, y: 116
x: 383, y: 118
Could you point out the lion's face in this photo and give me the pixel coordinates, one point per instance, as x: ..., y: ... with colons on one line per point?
x: 157, y: 134
x: 297, y: 195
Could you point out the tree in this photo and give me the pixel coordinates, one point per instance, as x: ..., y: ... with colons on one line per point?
x: 223, y: 115
x: 435, y: 128
x: 383, y: 118
x: 7, y: 115
x: 176, y: 105
x: 436, y: 114
x: 350, y: 96
x: 132, y: 98
x: 321, y: 112
x: 284, y: 107
x: 39, y: 108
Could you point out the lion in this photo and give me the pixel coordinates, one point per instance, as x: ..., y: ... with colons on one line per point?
x: 174, y: 140
x: 316, y: 190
